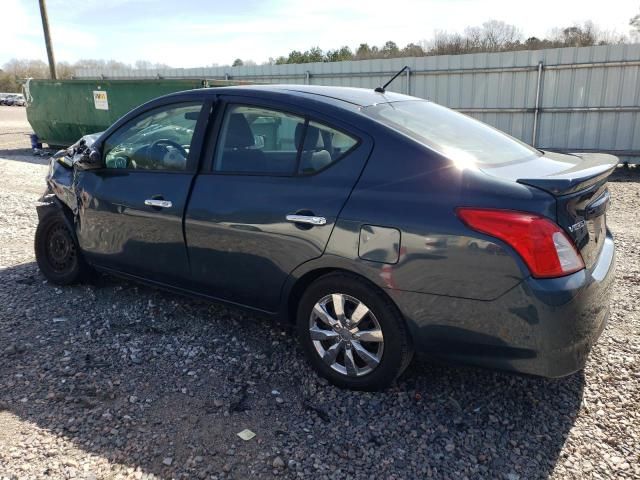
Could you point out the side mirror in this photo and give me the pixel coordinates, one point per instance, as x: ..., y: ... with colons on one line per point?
x: 90, y: 159
x: 95, y: 157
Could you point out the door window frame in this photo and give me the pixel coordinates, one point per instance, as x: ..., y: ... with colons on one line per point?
x: 214, y: 134
x: 195, y: 148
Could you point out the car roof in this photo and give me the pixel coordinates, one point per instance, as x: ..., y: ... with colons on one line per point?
x: 360, y: 97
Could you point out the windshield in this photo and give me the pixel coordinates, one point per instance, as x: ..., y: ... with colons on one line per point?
x: 454, y: 135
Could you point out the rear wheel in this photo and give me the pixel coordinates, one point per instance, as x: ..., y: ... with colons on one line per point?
x: 352, y: 333
x: 56, y: 251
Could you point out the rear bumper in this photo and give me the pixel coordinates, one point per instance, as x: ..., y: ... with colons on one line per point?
x: 542, y: 326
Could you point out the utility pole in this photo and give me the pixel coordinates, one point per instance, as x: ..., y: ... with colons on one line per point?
x: 47, y: 39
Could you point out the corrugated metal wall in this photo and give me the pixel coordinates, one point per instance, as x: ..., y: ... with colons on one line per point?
x: 565, y: 99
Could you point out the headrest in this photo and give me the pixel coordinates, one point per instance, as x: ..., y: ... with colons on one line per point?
x: 239, y: 134
x: 313, y: 139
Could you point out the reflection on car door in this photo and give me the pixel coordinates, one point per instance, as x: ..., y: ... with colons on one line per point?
x: 268, y: 165
x: 131, y: 219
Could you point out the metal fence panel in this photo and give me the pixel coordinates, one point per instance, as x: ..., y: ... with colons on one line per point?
x: 581, y: 98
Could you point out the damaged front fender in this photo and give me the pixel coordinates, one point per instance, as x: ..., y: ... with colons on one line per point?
x: 62, y: 192
x: 60, y: 196
x: 48, y: 203
x: 63, y: 174
x: 61, y: 185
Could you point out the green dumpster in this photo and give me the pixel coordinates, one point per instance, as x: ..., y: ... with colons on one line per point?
x: 62, y: 111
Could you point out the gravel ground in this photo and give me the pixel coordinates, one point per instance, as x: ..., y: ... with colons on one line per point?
x: 114, y: 380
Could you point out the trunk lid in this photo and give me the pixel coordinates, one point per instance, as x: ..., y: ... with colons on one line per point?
x: 578, y: 181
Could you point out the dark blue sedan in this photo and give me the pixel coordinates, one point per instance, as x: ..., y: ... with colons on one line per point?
x: 379, y: 224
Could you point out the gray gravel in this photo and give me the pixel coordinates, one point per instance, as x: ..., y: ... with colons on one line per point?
x: 114, y: 380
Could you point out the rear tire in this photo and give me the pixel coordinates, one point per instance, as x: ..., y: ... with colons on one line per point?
x: 352, y: 334
x: 57, y: 252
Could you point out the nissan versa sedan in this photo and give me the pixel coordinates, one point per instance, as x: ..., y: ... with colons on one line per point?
x: 378, y: 224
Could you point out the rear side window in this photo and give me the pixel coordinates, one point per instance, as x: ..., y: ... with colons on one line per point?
x: 323, y: 146
x: 461, y: 138
x: 256, y: 140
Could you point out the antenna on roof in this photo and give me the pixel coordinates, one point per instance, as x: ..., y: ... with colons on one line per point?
x: 382, y: 88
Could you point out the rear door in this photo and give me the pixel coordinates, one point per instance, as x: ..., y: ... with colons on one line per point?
x: 277, y: 180
x: 132, y: 208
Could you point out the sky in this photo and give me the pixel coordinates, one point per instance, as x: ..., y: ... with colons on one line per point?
x: 195, y: 33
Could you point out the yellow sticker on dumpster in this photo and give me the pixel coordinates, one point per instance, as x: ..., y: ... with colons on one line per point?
x: 100, y: 100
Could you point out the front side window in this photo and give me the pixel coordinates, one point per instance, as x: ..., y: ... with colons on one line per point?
x: 157, y: 140
x: 454, y: 135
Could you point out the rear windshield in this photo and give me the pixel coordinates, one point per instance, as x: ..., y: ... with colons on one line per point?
x: 454, y: 135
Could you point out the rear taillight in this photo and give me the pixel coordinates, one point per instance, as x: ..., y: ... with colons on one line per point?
x: 542, y: 244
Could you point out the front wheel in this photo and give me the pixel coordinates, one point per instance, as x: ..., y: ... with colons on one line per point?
x: 56, y: 251
x: 352, y: 334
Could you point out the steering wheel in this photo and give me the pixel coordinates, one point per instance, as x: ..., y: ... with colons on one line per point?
x: 165, y: 142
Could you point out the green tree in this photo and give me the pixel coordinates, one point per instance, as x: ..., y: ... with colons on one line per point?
x: 340, y: 54
x: 390, y: 50
x: 363, y: 51
x: 237, y: 63
x: 314, y: 55
x: 296, y: 56
x: 413, y: 50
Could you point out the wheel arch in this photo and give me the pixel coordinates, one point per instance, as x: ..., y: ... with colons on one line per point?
x: 398, y: 334
x: 298, y: 284
x: 54, y: 204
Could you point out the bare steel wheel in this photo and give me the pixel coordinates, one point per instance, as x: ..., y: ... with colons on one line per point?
x: 352, y: 333
x: 56, y: 250
x: 60, y: 249
x: 346, y: 334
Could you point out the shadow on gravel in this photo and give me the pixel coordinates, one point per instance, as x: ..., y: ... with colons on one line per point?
x: 626, y: 174
x: 24, y: 155
x: 163, y: 384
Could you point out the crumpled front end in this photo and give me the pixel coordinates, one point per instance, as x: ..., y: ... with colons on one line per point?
x: 61, y: 176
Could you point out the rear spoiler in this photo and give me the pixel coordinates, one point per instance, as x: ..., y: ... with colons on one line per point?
x: 590, y: 169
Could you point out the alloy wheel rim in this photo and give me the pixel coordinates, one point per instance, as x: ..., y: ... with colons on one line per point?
x: 346, y: 335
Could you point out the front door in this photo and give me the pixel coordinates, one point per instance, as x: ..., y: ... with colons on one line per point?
x: 270, y: 200
x: 132, y: 208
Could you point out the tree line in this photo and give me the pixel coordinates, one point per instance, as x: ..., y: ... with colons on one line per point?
x: 491, y: 36
x: 13, y: 73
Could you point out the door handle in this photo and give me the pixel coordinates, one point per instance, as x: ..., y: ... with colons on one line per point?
x: 308, y: 219
x: 153, y: 202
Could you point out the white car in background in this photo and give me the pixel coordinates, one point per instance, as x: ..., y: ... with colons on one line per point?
x: 15, y: 99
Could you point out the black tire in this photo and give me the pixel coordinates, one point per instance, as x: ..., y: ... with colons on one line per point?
x: 397, y: 350
x: 57, y: 252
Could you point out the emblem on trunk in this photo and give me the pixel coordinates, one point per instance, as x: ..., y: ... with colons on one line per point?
x: 577, y: 226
